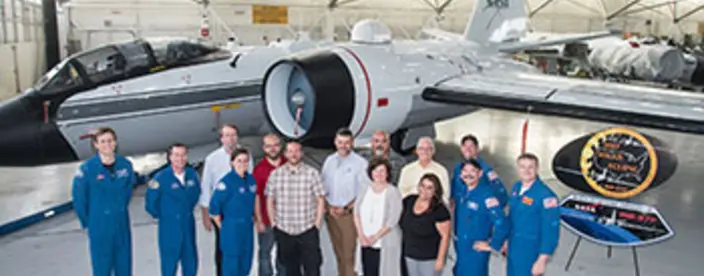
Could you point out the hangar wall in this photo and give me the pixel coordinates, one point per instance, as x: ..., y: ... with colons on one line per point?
x: 21, y: 46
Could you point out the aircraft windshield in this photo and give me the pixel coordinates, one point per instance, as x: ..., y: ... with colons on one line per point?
x: 60, y: 78
x: 103, y: 64
x: 175, y: 52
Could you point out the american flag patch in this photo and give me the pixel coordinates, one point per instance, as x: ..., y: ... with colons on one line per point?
x: 493, y: 175
x: 550, y: 202
x: 491, y: 202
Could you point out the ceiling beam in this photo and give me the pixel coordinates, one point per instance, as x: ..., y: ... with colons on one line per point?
x: 622, y: 9
x: 539, y: 7
x: 688, y: 14
x: 647, y: 8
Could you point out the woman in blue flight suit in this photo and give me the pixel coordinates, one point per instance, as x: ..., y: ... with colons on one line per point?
x: 171, y: 197
x: 102, y: 189
x: 477, y: 212
x: 535, y: 221
x: 232, y: 208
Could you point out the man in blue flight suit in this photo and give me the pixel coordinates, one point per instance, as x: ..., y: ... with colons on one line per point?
x: 469, y: 146
x: 171, y: 197
x: 477, y: 213
x: 232, y: 209
x: 535, y: 221
x: 102, y: 189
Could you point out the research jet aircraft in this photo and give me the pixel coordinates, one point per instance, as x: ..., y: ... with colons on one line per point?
x: 306, y: 90
x: 375, y: 83
x: 153, y: 92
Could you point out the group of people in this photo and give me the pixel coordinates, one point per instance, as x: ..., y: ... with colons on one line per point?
x: 384, y: 216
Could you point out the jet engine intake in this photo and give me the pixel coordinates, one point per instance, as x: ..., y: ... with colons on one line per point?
x: 307, y: 98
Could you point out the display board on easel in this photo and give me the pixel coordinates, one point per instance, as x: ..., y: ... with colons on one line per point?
x: 612, y: 166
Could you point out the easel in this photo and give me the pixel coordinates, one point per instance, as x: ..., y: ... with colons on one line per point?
x: 608, y: 255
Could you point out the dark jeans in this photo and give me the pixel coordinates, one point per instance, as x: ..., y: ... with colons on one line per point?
x: 266, y: 244
x: 218, y: 252
x: 370, y: 261
x: 299, y: 251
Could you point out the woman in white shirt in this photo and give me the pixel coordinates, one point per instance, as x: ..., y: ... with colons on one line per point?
x: 378, y: 208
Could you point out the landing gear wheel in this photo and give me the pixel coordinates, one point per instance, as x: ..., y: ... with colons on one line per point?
x: 397, y: 142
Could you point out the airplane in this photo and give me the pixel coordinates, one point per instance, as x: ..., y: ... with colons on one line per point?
x: 305, y: 92
x: 636, y: 58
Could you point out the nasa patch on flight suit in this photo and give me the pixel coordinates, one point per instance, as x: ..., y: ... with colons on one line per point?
x: 190, y: 183
x: 253, y: 188
x: 121, y: 173
x: 79, y: 173
x: 493, y: 175
x: 242, y: 190
x: 527, y: 201
x: 472, y: 205
x: 220, y: 187
x: 153, y: 184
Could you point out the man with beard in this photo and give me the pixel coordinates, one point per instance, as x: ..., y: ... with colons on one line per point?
x: 296, y: 203
x: 381, y: 148
x: 271, y: 144
x: 217, y: 165
x: 343, y: 172
x: 479, y: 220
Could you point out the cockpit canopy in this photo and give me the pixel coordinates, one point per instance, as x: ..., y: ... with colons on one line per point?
x: 116, y: 62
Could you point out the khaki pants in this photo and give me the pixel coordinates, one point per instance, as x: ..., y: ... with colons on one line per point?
x: 344, y: 241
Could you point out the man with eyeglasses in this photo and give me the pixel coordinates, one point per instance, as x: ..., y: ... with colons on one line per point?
x: 411, y: 173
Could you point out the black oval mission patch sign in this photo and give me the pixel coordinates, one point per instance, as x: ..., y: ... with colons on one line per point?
x: 617, y: 162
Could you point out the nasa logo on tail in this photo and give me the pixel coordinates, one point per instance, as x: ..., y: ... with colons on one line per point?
x: 616, y: 163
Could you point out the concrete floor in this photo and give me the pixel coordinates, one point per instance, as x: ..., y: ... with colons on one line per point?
x: 58, y: 247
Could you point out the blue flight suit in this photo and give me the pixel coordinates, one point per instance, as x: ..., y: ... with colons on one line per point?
x: 489, y: 178
x: 172, y: 203
x: 535, y: 221
x: 477, y: 213
x: 101, y: 198
x: 234, y: 199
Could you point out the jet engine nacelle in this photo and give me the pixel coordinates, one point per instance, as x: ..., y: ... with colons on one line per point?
x: 310, y: 95
x: 645, y: 62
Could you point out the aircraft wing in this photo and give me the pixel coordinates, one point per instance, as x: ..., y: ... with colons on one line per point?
x: 582, y: 99
x: 514, y: 47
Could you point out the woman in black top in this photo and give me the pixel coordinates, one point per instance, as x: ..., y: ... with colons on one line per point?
x: 425, y: 222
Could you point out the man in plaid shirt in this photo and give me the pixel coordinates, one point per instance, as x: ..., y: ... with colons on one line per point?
x: 295, y: 203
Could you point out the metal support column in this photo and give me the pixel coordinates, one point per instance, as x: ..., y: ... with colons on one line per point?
x: 51, y: 33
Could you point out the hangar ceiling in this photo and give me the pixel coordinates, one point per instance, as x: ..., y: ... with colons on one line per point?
x: 404, y: 17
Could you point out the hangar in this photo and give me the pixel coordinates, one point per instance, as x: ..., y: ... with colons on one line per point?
x: 31, y: 43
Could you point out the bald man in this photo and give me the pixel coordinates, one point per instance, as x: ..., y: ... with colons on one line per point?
x: 381, y: 148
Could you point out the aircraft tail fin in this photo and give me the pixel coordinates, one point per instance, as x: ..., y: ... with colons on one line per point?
x: 496, y: 21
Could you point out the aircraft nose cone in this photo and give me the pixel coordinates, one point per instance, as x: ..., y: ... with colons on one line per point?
x: 25, y: 139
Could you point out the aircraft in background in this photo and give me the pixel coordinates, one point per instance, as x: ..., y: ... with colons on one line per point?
x: 306, y: 90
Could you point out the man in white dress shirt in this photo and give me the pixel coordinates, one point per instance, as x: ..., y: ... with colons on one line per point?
x: 342, y: 173
x: 217, y: 165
